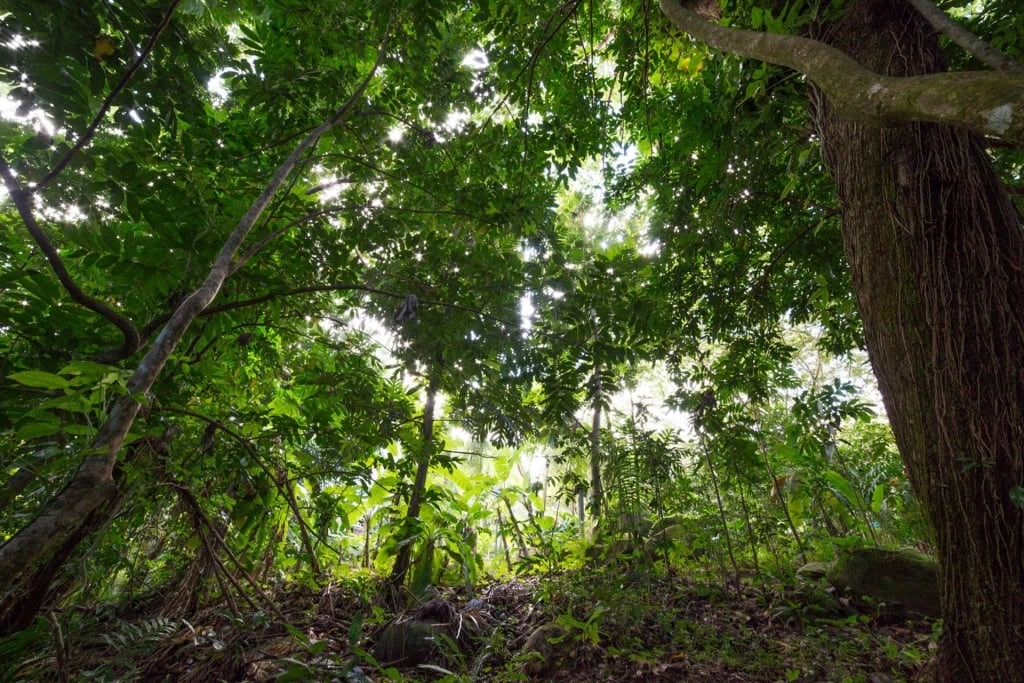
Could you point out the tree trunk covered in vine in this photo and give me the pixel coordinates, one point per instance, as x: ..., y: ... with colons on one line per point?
x: 937, y: 255
x: 597, y: 502
x: 404, y: 557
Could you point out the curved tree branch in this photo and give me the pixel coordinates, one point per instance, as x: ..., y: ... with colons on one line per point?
x: 270, y: 296
x: 762, y: 279
x: 22, y: 203
x: 974, y: 45
x: 311, y: 289
x: 565, y: 11
x: 267, y: 239
x: 20, y: 197
x: 232, y: 264
x: 987, y: 102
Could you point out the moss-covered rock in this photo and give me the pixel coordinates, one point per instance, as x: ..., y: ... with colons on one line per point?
x: 812, y: 571
x: 905, y: 578
x: 547, y: 649
x: 407, y: 643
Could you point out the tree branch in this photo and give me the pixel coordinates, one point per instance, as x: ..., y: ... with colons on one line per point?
x: 198, y: 301
x: 974, y: 45
x: 20, y: 197
x: 762, y: 279
x: 93, y: 482
x: 987, y: 102
x: 565, y: 10
x: 22, y: 203
x: 267, y: 239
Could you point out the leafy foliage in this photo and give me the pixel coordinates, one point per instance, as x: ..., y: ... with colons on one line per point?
x: 570, y: 195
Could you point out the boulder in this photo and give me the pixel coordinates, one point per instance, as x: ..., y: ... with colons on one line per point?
x: 679, y: 539
x: 547, y: 650
x: 904, y: 578
x: 812, y: 571
x: 407, y: 643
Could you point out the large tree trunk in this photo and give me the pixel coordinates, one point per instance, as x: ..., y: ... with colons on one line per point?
x: 937, y: 254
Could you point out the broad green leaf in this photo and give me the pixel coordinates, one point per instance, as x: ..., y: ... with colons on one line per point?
x: 878, y: 497
x: 285, y: 405
x: 39, y: 379
x: 35, y: 430
x: 841, y: 486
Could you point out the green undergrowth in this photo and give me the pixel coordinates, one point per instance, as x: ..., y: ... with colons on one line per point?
x: 667, y: 626
x: 611, y: 623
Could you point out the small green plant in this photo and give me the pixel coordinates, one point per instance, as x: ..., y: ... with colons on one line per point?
x: 584, y: 631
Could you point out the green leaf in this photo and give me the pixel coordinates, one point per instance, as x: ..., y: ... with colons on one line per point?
x: 38, y: 379
x: 355, y: 630
x: 841, y: 486
x: 878, y: 497
x: 296, y: 671
x: 285, y: 406
x: 1017, y: 496
x: 37, y: 430
x: 423, y: 569
x: 74, y: 402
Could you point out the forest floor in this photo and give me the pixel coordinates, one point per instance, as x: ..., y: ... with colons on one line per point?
x: 570, y: 626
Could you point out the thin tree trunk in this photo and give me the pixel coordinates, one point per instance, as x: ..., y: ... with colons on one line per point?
x: 937, y: 255
x: 404, y: 556
x: 504, y: 541
x: 784, y: 501
x: 596, y: 486
x: 520, y: 541
x: 721, y: 510
x: 366, y: 541
x: 285, y: 487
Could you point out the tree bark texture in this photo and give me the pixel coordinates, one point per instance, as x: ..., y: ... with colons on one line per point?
x: 937, y: 255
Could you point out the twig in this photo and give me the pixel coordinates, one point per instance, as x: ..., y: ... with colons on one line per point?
x: 60, y: 648
x: 767, y: 270
x: 190, y: 501
x: 568, y: 10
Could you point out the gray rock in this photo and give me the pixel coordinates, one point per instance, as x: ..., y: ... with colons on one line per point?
x: 904, y: 578
x: 547, y: 649
x: 407, y: 643
x: 813, y: 571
